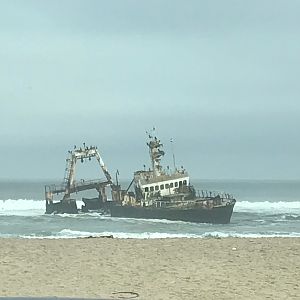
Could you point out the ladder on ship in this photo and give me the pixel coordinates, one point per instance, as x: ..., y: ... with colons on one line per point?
x: 67, y: 171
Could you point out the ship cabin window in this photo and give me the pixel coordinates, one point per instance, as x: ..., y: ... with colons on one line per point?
x: 184, y: 182
x: 167, y: 186
x: 161, y: 186
x: 146, y: 189
x: 176, y: 184
x: 180, y: 183
x: 151, y: 188
x: 171, y: 184
x: 156, y: 187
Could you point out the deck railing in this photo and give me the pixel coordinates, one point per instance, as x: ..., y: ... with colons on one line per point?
x: 77, y: 185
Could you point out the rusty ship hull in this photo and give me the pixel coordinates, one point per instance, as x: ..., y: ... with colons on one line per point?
x: 215, y: 215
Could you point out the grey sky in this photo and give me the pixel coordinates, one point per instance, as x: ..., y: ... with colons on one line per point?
x: 220, y: 77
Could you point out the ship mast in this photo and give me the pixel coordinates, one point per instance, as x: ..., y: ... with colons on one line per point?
x: 155, y: 153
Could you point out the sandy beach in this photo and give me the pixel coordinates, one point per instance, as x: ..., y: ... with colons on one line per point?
x: 211, y: 268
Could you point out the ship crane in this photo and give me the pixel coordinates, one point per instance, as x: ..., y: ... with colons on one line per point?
x: 70, y: 185
x: 80, y: 155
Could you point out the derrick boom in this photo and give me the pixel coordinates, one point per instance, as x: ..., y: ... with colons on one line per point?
x: 70, y: 185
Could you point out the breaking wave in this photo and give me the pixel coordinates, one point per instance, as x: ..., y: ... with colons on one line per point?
x: 71, y: 234
x: 268, y: 207
x: 24, y: 207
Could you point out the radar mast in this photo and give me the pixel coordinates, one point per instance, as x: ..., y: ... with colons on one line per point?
x: 155, y: 153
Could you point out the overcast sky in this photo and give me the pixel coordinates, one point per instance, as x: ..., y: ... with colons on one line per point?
x: 219, y: 77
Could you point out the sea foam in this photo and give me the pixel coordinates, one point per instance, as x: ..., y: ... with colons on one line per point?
x: 71, y: 234
x: 268, y: 207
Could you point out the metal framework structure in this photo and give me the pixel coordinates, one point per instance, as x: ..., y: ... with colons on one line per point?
x: 70, y: 185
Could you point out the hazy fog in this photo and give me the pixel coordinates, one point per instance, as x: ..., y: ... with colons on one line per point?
x: 219, y: 77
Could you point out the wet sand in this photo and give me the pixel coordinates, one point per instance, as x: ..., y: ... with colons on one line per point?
x: 229, y: 268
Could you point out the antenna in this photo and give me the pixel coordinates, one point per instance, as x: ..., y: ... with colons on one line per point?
x: 172, y: 147
x: 117, y: 181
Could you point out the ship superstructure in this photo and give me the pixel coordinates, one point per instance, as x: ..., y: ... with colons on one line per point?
x: 162, y: 194
x: 158, y: 182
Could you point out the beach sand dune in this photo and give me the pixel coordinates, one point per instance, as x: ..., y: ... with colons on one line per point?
x: 211, y: 268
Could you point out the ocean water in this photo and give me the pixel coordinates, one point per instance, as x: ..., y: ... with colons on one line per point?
x: 263, y: 209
